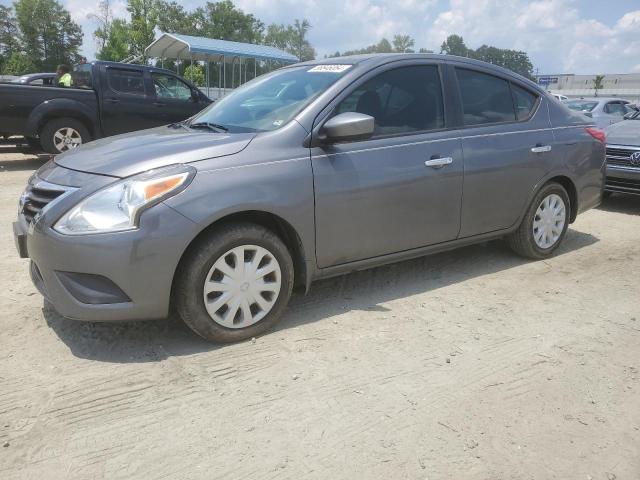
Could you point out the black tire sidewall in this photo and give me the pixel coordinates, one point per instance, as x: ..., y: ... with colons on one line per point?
x: 52, y: 126
x: 194, y: 270
x: 544, y: 192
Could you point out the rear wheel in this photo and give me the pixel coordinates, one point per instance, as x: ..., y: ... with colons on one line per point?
x: 235, y: 283
x: 62, y: 134
x: 545, y: 224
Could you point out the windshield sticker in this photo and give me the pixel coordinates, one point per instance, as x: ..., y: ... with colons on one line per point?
x: 330, y: 68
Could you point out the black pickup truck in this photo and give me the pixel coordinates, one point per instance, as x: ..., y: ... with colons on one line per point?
x: 106, y: 98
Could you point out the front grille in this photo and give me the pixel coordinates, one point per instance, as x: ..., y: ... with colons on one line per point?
x: 623, y: 185
x: 620, y: 155
x: 37, y: 196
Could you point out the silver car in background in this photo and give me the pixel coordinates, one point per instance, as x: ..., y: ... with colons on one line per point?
x: 604, y: 111
x: 623, y: 156
x: 314, y: 170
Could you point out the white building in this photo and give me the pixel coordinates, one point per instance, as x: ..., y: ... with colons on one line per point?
x: 623, y: 85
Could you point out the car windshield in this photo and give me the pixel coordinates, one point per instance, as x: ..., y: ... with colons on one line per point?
x: 272, y: 100
x: 581, y: 105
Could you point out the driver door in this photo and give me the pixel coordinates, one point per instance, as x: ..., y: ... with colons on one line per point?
x: 400, y: 189
x: 174, y: 99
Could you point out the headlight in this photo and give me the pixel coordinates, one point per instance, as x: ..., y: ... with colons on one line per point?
x: 118, y: 207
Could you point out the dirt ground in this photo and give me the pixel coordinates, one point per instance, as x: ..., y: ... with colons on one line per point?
x: 473, y: 364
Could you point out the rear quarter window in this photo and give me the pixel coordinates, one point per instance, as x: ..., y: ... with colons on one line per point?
x: 524, y: 100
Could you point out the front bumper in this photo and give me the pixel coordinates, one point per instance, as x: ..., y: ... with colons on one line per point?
x: 623, y: 180
x: 131, y: 271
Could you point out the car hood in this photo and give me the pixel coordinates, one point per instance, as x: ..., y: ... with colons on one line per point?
x: 131, y: 153
x: 626, y: 132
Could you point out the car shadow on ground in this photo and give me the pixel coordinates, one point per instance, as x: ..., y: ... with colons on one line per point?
x: 369, y: 290
x: 617, y: 203
x: 23, y: 164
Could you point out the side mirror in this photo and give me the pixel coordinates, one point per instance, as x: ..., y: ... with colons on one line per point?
x: 195, y: 96
x: 348, y: 126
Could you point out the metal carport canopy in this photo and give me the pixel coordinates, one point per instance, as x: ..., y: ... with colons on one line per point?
x: 186, y: 47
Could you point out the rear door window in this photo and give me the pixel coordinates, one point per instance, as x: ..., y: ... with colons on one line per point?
x: 615, y: 108
x: 126, y: 81
x: 524, y: 100
x: 485, y: 99
x: 403, y: 100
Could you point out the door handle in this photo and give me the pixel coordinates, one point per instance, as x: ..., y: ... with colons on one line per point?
x: 112, y: 100
x: 541, y: 148
x: 159, y: 104
x: 438, y: 162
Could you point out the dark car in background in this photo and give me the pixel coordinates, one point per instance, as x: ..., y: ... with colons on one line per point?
x: 45, y: 79
x: 106, y: 98
x: 623, y: 156
x: 314, y: 170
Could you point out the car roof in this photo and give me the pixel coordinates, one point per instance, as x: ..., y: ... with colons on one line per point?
x: 125, y: 65
x: 598, y: 99
x: 373, y: 60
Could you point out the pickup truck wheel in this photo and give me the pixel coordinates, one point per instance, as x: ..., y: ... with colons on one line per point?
x: 62, y: 134
x: 235, y: 283
x: 544, y: 225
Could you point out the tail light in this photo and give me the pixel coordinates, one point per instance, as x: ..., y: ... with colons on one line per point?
x: 596, y: 133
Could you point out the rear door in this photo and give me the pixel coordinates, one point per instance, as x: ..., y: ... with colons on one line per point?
x: 126, y: 104
x: 507, y: 143
x: 400, y: 189
x: 174, y: 99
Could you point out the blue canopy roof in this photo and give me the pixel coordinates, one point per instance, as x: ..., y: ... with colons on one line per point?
x: 173, y: 45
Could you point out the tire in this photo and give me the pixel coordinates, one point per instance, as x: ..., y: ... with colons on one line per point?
x: 205, y: 264
x: 523, y: 240
x: 72, y: 129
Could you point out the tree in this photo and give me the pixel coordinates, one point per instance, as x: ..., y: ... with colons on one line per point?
x: 115, y: 42
x: 104, y: 18
x: 291, y: 38
x: 383, y: 46
x: 302, y: 48
x: 144, y: 19
x: 173, y: 18
x: 454, y: 45
x: 224, y: 21
x: 49, y: 35
x: 598, y: 83
x: 403, y: 43
x: 19, y: 63
x: 9, y: 34
x: 195, y: 74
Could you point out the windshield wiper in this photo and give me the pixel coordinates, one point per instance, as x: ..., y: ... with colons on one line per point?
x: 177, y: 125
x: 211, y: 126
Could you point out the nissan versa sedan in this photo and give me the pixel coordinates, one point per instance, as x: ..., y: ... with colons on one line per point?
x: 311, y: 171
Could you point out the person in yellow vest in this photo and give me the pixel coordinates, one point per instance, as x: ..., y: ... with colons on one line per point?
x: 64, y: 77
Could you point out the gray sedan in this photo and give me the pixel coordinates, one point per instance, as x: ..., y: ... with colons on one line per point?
x: 604, y: 111
x: 311, y: 171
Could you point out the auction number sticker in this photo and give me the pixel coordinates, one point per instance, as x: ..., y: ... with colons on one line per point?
x: 330, y: 68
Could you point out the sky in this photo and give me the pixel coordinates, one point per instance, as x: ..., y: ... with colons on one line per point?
x: 560, y: 36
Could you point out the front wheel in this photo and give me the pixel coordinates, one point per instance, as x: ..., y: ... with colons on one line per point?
x: 235, y: 283
x: 545, y: 224
x: 62, y: 134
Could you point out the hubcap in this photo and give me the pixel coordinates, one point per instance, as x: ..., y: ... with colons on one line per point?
x: 66, y: 138
x: 242, y: 286
x: 549, y: 221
